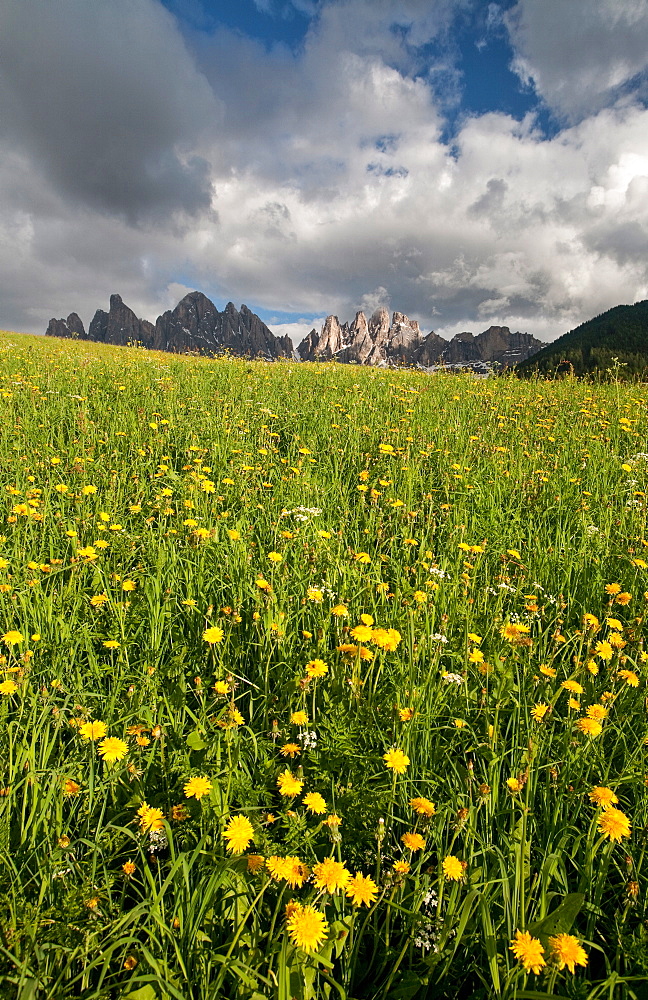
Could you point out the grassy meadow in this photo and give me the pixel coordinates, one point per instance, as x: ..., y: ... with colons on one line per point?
x: 319, y: 681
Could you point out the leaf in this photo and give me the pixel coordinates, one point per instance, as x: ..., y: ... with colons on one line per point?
x: 560, y: 920
x: 407, y: 987
x: 195, y: 741
x: 143, y: 993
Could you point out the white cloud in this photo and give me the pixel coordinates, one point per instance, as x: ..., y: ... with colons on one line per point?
x: 578, y: 54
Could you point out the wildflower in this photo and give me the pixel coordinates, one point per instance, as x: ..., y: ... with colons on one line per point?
x: 130, y: 962
x: 8, y: 687
x: 529, y: 951
x: 299, y: 718
x: 362, y: 557
x: 539, y: 711
x: 566, y: 950
x: 514, y: 631
x: 315, y: 594
x: 362, y: 633
x: 315, y: 803
x: 316, y: 668
x: 129, y: 585
x: 213, y: 635
x: 623, y: 598
x: 333, y: 821
x: 129, y: 868
x: 294, y: 871
x: 331, y: 875
x: 275, y: 557
x: 233, y: 535
x: 93, y: 730
x: 413, y: 841
x: 290, y: 750
x: 423, y: 806
x: 197, y: 787
x: 232, y: 719
x: 590, y: 727
x: 255, y: 862
x: 238, y: 833
x: 340, y: 611
x: 396, y: 760
x: 307, y: 928
x: 406, y: 714
x: 288, y: 784
x: 385, y: 638
x: 547, y: 671
x: 150, y: 818
x: 361, y: 889
x: 612, y: 589
x: 591, y: 622
x: 453, y: 868
x: 514, y: 785
x: 475, y: 656
x: 221, y: 687
x: 574, y: 703
x: 401, y: 867
x: 629, y: 677
x: 112, y: 749
x: 604, y: 650
x: 98, y: 599
x: 598, y: 712
x: 614, y: 824
x: 603, y: 797
x: 13, y: 637
x: 71, y: 787
x: 573, y: 686
x: 616, y: 640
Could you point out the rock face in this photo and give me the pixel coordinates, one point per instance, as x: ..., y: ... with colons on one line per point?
x: 379, y: 342
x: 195, y: 325
x: 70, y: 327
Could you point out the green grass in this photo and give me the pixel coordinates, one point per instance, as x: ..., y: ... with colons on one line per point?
x: 443, y: 506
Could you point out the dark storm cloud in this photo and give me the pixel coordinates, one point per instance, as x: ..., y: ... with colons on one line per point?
x: 107, y: 103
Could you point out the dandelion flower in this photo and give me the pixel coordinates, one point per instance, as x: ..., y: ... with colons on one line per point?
x: 539, y: 711
x: 566, y: 950
x: 150, y: 817
x: 529, y: 951
x: 573, y: 686
x: 315, y: 803
x: 423, y: 806
x: 413, y: 841
x: 129, y: 868
x: 299, y: 718
x: 362, y: 633
x: 406, y: 714
x: 71, y: 787
x: 12, y: 637
x: 93, y: 730
x: 197, y: 787
x: 514, y: 631
x: 331, y: 875
x: 294, y: 871
x: 361, y: 889
x: 589, y: 727
x: 513, y: 785
x: 596, y: 712
x: 290, y: 750
x: 604, y: 650
x: 453, y: 868
x: 612, y: 589
x: 112, y: 749
x: 316, y: 668
x: 255, y: 862
x: 8, y: 687
x: 603, y: 797
x: 213, y: 635
x: 629, y: 677
x: 238, y: 833
x: 396, y: 760
x: 386, y: 638
x: 307, y: 928
x: 288, y: 784
x: 614, y: 824
x: 340, y: 611
x: 401, y: 867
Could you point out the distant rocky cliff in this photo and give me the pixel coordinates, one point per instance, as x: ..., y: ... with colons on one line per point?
x: 195, y: 326
x: 378, y: 342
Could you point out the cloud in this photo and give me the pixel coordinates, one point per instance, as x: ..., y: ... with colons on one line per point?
x: 577, y: 54
x: 312, y: 181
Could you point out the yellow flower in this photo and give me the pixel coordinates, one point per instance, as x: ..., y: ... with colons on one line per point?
x: 221, y: 687
x: 362, y: 633
x: 590, y: 727
x: 316, y: 668
x: 539, y: 711
x: 514, y: 631
x: 213, y: 635
x: 401, y: 867
x: 233, y: 535
x: 71, y: 787
x: 629, y: 677
x: 396, y: 760
x: 453, y: 868
x: 290, y: 750
x: 299, y: 718
x: 307, y: 928
x: 112, y: 749
x: 315, y: 595
x: 255, y: 862
x: 513, y: 785
x: 238, y: 833
x: 129, y: 585
x: 197, y: 787
x: 331, y: 875
x: 315, y: 803
x: 573, y: 686
x: 98, y: 599
x: 275, y: 557
x: 591, y: 622
x: 612, y: 589
x: 340, y: 611
x: 596, y: 712
x: 385, y: 638
x: 604, y: 650
x: 614, y: 824
x: 150, y: 817
x: 8, y: 687
x: 367, y: 619
x: 423, y: 806
x: 288, y: 784
x: 623, y: 598
x: 93, y: 730
x: 129, y: 868
x: 406, y: 714
x: 566, y: 950
x: 413, y: 841
x: 529, y: 951
x: 361, y: 889
x: 13, y: 637
x: 603, y: 797
x: 110, y: 644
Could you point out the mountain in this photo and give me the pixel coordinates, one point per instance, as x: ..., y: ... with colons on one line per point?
x: 620, y: 333
x: 378, y: 342
x: 195, y: 325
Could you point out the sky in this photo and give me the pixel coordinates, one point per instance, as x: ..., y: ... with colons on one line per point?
x: 464, y: 162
